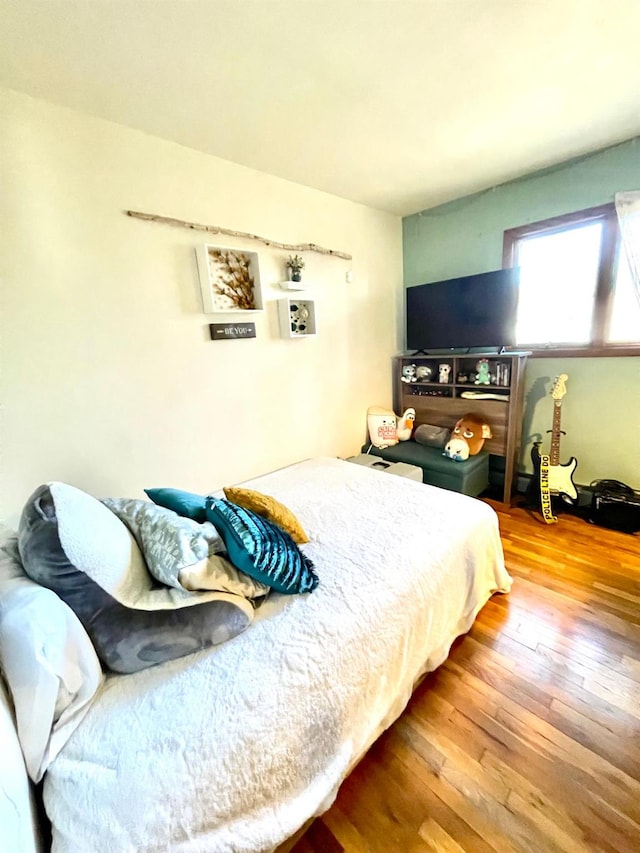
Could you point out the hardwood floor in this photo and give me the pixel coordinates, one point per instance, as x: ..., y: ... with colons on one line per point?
x: 528, y: 737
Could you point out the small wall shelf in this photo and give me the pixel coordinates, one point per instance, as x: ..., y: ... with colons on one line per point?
x: 292, y: 285
x: 297, y: 317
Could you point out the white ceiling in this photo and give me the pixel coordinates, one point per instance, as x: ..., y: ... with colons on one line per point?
x: 397, y: 104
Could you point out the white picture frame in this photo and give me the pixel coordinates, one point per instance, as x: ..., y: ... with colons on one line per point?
x: 229, y: 280
x: 297, y: 317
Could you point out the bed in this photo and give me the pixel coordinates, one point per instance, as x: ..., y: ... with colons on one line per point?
x: 232, y: 749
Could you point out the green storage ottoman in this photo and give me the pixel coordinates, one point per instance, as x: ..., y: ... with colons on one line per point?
x: 470, y: 477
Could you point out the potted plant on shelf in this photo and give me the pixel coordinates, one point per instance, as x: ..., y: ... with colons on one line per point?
x: 296, y: 265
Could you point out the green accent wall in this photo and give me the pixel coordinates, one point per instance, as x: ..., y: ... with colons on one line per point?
x: 601, y: 411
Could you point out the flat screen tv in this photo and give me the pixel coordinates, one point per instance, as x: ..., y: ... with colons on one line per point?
x: 476, y: 311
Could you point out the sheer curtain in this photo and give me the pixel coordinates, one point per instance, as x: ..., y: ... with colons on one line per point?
x: 628, y: 210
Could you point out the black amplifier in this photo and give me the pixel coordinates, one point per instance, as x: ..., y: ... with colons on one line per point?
x: 615, y: 505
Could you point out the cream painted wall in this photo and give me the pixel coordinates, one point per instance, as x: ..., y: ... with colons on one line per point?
x: 109, y: 378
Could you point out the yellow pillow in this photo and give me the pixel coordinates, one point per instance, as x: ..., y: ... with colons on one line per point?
x: 268, y: 508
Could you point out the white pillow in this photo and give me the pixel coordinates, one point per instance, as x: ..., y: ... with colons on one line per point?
x: 218, y: 573
x: 19, y: 831
x: 48, y: 661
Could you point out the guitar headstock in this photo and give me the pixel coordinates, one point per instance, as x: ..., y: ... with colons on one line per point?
x: 559, y: 388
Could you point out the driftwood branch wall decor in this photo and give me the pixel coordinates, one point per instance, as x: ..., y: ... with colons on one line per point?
x: 215, y: 229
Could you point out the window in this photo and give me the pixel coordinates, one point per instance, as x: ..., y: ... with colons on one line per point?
x: 576, y: 291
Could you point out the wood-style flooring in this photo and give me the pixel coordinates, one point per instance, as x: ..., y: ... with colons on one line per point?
x: 528, y: 737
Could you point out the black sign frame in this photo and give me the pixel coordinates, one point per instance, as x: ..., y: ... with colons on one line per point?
x: 232, y: 331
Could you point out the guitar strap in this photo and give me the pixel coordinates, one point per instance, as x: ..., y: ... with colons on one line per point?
x: 545, y: 494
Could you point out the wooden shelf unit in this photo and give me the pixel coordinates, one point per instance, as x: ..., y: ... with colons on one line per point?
x: 442, y: 403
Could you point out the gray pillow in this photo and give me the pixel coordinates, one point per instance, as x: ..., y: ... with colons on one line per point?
x: 168, y: 541
x: 180, y: 552
x: 431, y: 436
x: 74, y: 545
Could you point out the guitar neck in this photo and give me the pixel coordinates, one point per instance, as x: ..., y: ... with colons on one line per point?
x: 554, y: 454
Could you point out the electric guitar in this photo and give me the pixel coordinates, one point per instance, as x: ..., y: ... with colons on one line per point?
x: 560, y: 476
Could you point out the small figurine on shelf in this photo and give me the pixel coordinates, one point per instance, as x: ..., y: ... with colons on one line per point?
x: 295, y: 263
x: 483, y: 376
x: 424, y: 372
x: 444, y: 371
x: 408, y: 373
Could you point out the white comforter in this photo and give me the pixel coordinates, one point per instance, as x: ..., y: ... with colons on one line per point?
x: 234, y: 748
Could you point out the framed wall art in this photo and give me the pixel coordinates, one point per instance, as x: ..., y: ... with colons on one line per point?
x: 297, y: 317
x: 229, y: 279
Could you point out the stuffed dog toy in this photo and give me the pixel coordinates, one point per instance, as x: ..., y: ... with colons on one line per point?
x: 467, y: 438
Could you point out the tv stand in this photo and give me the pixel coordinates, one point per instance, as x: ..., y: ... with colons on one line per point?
x: 442, y: 403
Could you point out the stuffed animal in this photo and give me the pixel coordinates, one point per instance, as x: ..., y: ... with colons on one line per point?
x: 381, y: 424
x: 483, y: 377
x: 404, y: 426
x: 467, y: 438
x: 408, y: 373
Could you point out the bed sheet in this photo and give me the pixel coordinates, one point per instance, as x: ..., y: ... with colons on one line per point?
x: 231, y: 750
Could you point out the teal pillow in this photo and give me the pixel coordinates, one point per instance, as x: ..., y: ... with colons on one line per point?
x: 261, y: 549
x: 184, y: 503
